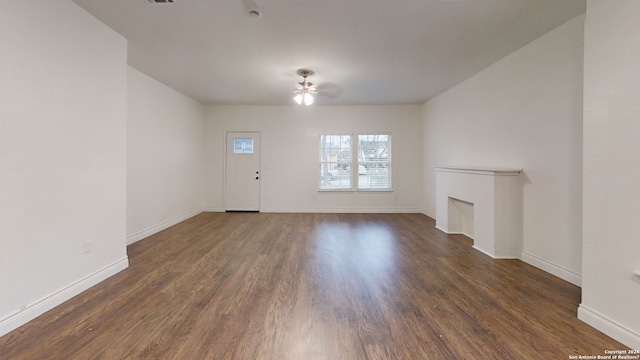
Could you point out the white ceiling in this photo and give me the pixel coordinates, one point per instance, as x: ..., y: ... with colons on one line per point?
x: 363, y: 51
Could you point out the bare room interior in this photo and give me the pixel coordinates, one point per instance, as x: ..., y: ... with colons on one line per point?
x: 261, y: 179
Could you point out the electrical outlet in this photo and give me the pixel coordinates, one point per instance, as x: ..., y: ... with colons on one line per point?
x: 86, y: 246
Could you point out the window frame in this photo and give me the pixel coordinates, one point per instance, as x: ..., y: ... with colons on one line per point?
x: 354, y: 163
x: 389, y: 163
x: 349, y: 163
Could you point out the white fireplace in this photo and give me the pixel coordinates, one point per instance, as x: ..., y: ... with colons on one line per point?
x: 483, y: 203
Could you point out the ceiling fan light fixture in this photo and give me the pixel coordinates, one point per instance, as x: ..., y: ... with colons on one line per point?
x: 308, y: 99
x: 305, y: 90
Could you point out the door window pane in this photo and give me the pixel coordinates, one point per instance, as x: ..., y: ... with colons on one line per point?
x: 243, y: 146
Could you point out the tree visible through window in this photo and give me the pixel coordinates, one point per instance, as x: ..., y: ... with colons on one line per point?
x: 335, y: 162
x: 374, y: 162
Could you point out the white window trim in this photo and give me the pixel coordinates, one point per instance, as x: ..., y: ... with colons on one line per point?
x: 354, y: 165
x: 380, y: 190
x: 390, y: 162
x: 351, y: 187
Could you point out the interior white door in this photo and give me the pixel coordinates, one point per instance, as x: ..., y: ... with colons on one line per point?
x: 242, y: 179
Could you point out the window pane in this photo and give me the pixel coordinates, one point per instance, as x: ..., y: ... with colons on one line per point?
x: 243, y: 146
x: 374, y: 161
x: 335, y: 162
x: 335, y: 176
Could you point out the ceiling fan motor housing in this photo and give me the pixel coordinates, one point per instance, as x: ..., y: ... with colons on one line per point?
x: 305, y: 72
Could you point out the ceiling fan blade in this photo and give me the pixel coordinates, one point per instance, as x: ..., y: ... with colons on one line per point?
x: 250, y: 5
x: 329, y: 90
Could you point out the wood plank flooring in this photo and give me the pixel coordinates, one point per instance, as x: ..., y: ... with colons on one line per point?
x: 313, y: 286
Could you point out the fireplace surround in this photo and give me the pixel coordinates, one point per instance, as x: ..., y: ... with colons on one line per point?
x: 484, y: 204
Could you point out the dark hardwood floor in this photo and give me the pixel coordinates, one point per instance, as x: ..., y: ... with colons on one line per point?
x: 313, y: 286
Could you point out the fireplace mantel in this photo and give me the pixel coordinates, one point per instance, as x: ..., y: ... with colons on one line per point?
x: 491, y: 171
x: 488, y: 198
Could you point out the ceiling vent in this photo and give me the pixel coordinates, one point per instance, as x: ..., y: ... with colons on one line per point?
x: 159, y: 1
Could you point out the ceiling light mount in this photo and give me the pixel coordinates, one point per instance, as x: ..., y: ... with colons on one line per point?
x: 304, y: 72
x: 304, y: 90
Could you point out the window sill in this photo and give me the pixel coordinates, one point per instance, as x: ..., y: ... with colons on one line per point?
x: 335, y: 190
x: 374, y: 191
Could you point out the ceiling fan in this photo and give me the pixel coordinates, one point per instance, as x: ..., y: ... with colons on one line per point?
x: 305, y: 90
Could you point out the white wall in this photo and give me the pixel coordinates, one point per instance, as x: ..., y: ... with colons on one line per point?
x: 165, y: 156
x: 611, y: 211
x: 524, y: 111
x: 290, y: 154
x: 62, y: 155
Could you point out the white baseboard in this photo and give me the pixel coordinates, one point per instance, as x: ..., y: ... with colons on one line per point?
x: 37, y: 308
x: 540, y: 263
x: 212, y: 209
x: 553, y: 269
x: 494, y: 256
x: 164, y: 225
x: 609, y: 327
x: 384, y: 210
x: 454, y: 232
x: 429, y: 213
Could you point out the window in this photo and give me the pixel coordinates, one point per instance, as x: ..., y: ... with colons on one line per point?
x: 242, y: 146
x: 373, y: 162
x: 335, y: 162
